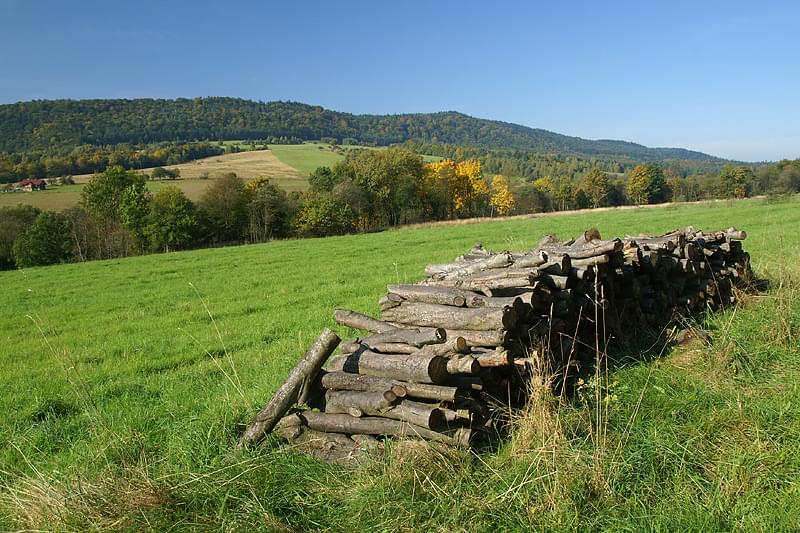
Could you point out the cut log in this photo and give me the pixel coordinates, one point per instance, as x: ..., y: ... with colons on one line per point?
x: 429, y: 294
x: 463, y: 364
x: 299, y: 434
x: 494, y: 261
x: 333, y: 423
x: 412, y: 336
x: 480, y: 319
x: 481, y: 338
x: 531, y: 259
x: 297, y: 386
x: 380, y: 347
x: 497, y: 358
x: 456, y: 345
x: 416, y: 368
x: 585, y: 249
x: 359, y: 403
x: 360, y: 382
x: 356, y: 320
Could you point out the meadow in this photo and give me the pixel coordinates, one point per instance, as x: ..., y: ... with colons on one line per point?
x: 286, y: 165
x: 125, y: 384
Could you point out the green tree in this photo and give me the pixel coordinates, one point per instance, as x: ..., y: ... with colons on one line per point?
x: 390, y: 180
x: 14, y: 221
x: 646, y: 184
x: 224, y: 207
x: 46, y: 242
x: 102, y: 196
x: 735, y: 182
x: 323, y: 179
x: 269, y: 213
x: 172, y: 223
x: 323, y: 215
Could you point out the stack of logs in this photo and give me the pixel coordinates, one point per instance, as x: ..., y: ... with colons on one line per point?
x: 456, y: 349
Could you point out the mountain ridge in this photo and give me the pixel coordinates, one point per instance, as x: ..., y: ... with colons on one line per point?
x: 64, y: 124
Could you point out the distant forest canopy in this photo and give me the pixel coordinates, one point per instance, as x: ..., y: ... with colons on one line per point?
x: 59, y: 126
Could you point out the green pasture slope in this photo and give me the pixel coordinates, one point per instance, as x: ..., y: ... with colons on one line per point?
x: 307, y: 157
x: 125, y: 384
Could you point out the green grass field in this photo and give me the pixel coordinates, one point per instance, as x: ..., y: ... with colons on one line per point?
x: 310, y: 156
x: 125, y: 384
x: 307, y: 157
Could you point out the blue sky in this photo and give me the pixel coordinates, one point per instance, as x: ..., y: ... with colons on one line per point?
x: 721, y: 77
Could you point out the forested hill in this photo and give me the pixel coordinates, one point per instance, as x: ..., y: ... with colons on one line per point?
x: 60, y: 125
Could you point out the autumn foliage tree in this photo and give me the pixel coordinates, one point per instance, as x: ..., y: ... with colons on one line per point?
x: 646, y: 184
x: 596, y: 187
x: 460, y: 186
x: 502, y: 199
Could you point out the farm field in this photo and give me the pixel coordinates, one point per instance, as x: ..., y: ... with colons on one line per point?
x: 195, y: 177
x: 287, y: 166
x: 125, y: 384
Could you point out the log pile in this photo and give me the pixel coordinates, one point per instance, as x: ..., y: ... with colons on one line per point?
x: 451, y: 352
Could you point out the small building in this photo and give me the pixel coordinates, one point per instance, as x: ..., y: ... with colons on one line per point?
x: 32, y: 185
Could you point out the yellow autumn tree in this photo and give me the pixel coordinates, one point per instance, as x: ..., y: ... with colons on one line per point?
x: 502, y: 200
x: 461, y: 184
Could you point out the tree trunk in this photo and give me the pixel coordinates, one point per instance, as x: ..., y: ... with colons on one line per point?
x: 416, y: 368
x: 494, y: 261
x: 301, y: 377
x: 360, y: 382
x: 429, y: 294
x: 359, y: 403
x: 412, y: 336
x: 533, y: 259
x: 380, y: 347
x: 463, y: 364
x: 481, y: 338
x: 448, y: 317
x: 334, y: 423
x: 352, y: 319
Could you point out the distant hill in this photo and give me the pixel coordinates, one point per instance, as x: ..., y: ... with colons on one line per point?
x: 60, y: 125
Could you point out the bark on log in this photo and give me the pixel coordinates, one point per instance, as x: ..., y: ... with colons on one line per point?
x: 380, y: 347
x: 463, y: 364
x: 299, y: 434
x: 360, y: 382
x: 429, y: 294
x: 456, y: 345
x: 416, y: 368
x: 584, y: 250
x: 501, y: 358
x: 412, y: 336
x: 356, y: 320
x: 480, y: 319
x: 591, y: 261
x: 331, y: 423
x: 532, y: 259
x: 301, y: 377
x: 481, y: 338
x: 359, y: 403
x: 494, y: 261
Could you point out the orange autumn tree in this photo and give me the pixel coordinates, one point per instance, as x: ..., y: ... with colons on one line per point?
x: 454, y: 190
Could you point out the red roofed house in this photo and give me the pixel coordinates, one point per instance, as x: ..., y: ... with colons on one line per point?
x: 32, y: 185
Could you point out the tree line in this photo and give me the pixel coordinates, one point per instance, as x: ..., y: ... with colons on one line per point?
x: 89, y: 159
x: 58, y: 126
x: 368, y: 190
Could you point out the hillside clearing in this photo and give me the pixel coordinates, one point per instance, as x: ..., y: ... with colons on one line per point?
x: 126, y: 383
x: 195, y: 177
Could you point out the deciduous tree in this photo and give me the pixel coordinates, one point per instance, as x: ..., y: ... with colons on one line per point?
x: 502, y: 199
x: 46, y: 242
